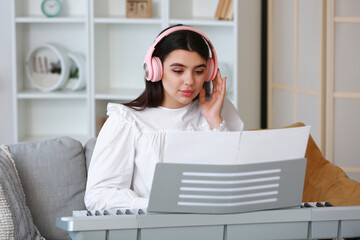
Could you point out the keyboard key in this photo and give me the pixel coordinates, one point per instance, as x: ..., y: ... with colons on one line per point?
x: 141, y: 212
x: 308, y: 205
x: 327, y: 204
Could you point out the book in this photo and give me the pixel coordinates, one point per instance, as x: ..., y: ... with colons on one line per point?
x: 230, y: 11
x: 225, y: 10
x: 218, y: 9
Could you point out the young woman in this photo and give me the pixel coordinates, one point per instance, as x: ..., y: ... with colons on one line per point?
x: 179, y: 68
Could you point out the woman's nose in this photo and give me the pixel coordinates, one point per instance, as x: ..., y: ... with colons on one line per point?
x: 189, y: 79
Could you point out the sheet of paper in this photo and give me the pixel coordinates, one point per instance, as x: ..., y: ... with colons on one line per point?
x: 201, y: 147
x: 235, y: 147
x: 273, y: 145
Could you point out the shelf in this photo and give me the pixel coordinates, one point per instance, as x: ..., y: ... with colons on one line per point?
x: 41, y: 19
x: 202, y: 22
x: 39, y: 119
x: 194, y: 21
x: 112, y: 20
x: 119, y: 94
x: 36, y: 94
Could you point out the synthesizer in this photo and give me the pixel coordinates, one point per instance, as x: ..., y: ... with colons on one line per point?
x: 318, y: 220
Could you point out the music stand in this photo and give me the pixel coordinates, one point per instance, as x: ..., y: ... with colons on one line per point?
x: 221, y: 189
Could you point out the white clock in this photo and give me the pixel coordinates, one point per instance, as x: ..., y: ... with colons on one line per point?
x: 51, y: 8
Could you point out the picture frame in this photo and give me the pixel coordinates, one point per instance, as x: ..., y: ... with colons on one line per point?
x: 47, y: 67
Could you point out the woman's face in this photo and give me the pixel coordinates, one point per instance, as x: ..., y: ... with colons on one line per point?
x: 183, y: 77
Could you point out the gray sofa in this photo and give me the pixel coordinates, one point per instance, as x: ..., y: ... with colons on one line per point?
x: 52, y: 174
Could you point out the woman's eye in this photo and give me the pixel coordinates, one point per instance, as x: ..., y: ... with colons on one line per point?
x: 177, y: 71
x: 199, y: 71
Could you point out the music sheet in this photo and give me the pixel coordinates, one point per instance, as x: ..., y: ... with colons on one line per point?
x: 235, y: 147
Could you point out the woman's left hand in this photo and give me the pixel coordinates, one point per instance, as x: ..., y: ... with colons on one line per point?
x: 211, y: 109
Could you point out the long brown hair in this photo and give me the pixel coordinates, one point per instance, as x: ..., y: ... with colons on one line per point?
x: 153, y: 94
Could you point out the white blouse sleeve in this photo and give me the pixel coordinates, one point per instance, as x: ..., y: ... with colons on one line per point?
x: 112, y: 165
x: 231, y: 118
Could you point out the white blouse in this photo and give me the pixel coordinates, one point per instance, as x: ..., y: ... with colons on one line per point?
x: 129, y: 146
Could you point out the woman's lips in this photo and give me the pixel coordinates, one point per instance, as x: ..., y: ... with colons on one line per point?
x: 186, y: 93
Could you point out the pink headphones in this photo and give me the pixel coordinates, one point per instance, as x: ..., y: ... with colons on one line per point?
x: 153, y: 67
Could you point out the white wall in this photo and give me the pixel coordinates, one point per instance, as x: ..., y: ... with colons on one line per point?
x: 250, y: 63
x: 6, y: 114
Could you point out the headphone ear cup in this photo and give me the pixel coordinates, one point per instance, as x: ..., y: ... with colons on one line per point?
x: 156, y: 69
x: 147, y: 71
x: 210, y: 68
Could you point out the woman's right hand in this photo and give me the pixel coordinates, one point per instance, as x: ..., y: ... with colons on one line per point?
x: 211, y: 109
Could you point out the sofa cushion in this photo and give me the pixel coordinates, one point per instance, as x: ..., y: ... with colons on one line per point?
x: 53, y: 174
x: 325, y: 181
x: 89, y: 149
x: 15, y: 217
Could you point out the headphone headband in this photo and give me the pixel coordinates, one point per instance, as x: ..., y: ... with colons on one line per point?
x: 151, y: 63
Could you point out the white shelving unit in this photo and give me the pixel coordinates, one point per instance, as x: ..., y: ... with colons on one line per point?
x: 114, y: 48
x: 40, y: 115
